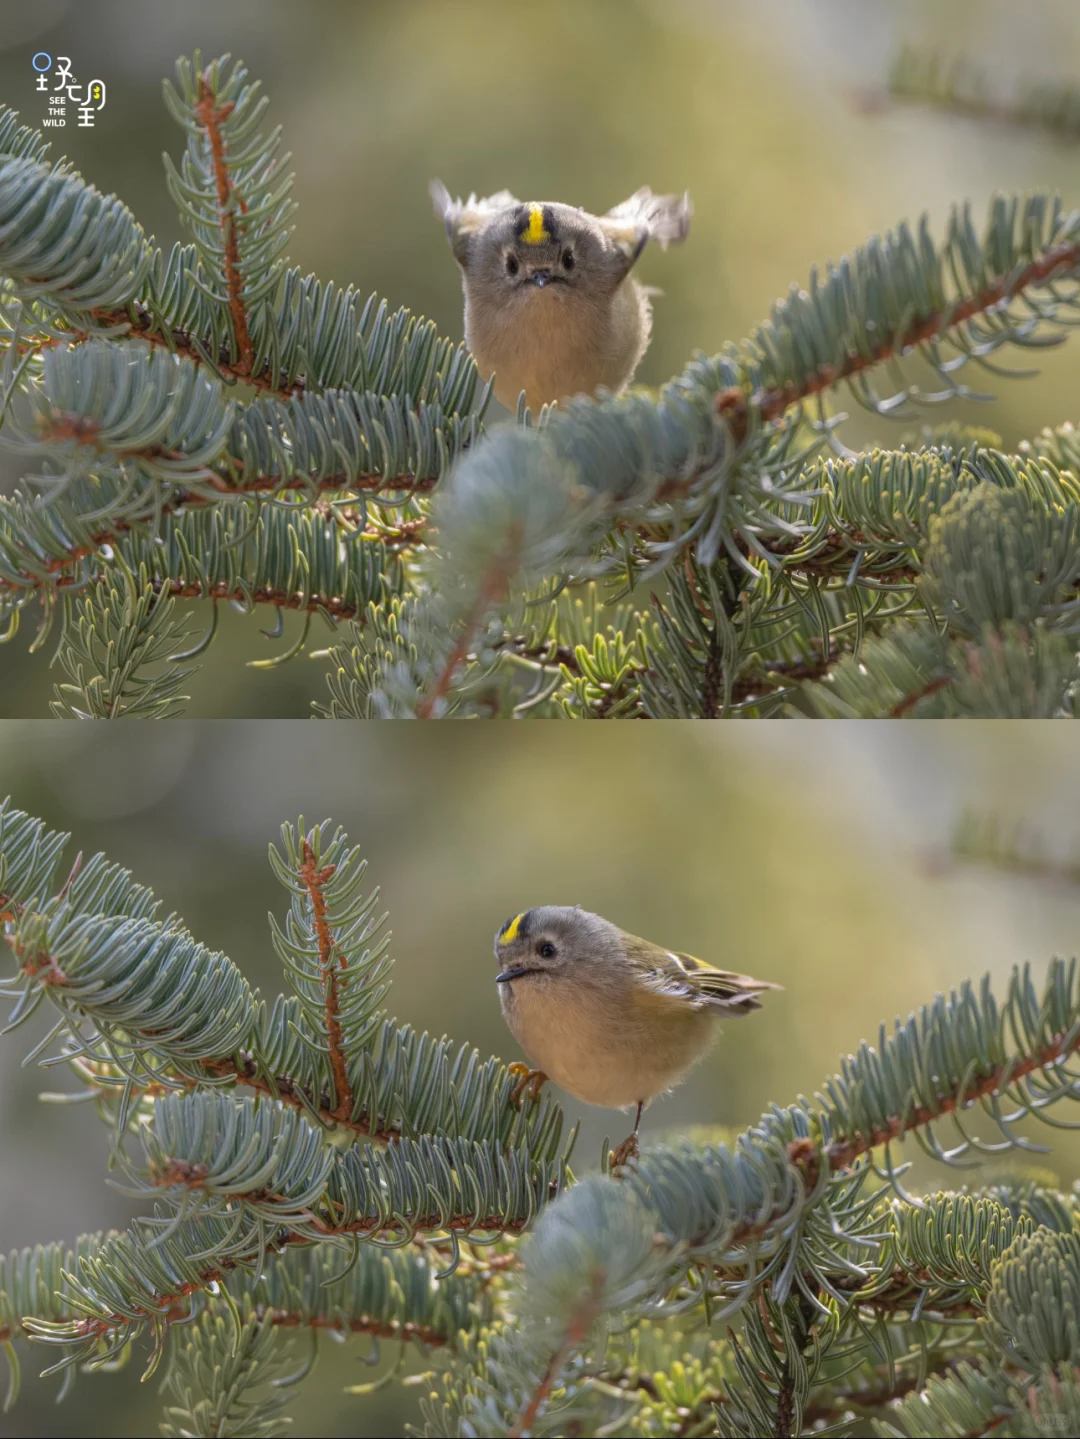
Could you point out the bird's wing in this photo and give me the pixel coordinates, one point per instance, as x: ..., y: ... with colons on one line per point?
x: 683, y: 976
x: 644, y: 217
x: 463, y: 218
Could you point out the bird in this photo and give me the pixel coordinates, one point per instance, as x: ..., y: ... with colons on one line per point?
x: 613, y: 1019
x: 551, y: 306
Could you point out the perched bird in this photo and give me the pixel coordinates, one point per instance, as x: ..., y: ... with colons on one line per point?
x: 550, y: 304
x: 612, y: 1019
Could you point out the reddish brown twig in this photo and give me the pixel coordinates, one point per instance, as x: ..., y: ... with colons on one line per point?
x: 492, y: 589
x: 140, y: 323
x: 424, y: 1334
x: 909, y: 701
x: 733, y: 404
x: 843, y: 1152
x: 330, y: 956
x: 283, y: 1087
x: 576, y: 1332
x: 229, y: 201
x: 311, y: 604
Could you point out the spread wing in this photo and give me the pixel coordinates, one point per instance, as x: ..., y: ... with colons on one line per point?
x: 463, y: 218
x: 684, y: 977
x: 644, y: 217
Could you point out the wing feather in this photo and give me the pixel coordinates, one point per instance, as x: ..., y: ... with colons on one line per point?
x: 645, y: 216
x: 463, y: 218
x: 684, y: 976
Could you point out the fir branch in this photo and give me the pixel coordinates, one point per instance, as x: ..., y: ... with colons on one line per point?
x: 229, y: 203
x: 782, y: 674
x: 491, y: 589
x: 581, y: 1321
x: 219, y: 1362
x: 244, y: 1067
x: 245, y: 1070
x: 169, y: 1304
x: 985, y: 839
x: 217, y: 1153
x: 138, y: 322
x: 959, y: 87
x: 787, y: 1194
x: 64, y: 1294
x: 908, y: 702
x: 789, y: 1400
x: 315, y: 880
x: 1000, y: 1080
x: 337, y: 609
x: 426, y: 1335
x: 123, y: 627
x: 733, y: 404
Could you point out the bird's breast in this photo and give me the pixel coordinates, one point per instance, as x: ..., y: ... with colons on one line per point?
x: 555, y: 341
x: 600, y: 1045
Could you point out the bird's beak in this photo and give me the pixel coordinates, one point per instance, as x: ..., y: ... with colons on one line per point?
x: 508, y: 974
x: 540, y: 278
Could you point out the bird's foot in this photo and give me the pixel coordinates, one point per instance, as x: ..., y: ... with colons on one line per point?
x: 624, y: 1152
x: 529, y: 1080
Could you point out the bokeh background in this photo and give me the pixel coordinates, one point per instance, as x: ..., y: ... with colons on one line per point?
x: 751, y: 105
x: 813, y: 856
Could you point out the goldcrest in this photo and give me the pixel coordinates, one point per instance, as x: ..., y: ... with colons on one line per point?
x: 612, y: 1019
x: 550, y: 304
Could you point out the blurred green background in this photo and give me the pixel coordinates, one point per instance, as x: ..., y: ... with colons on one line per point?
x: 810, y: 856
x: 751, y: 105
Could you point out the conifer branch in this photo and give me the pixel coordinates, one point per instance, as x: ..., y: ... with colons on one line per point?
x: 844, y: 1150
x: 315, y: 880
x: 230, y: 204
x: 243, y: 1068
x: 175, y: 339
x: 581, y: 1321
x: 426, y: 1335
x: 733, y: 404
x: 492, y: 588
x: 959, y: 87
x: 909, y: 701
x: 83, y: 430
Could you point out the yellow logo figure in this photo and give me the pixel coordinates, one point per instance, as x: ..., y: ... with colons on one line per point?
x: 535, y: 234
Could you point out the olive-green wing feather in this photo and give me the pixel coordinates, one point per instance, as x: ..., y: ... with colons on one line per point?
x: 684, y: 976
x: 463, y: 218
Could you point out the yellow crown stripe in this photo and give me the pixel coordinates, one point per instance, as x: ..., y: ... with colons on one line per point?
x: 510, y: 933
x: 535, y: 234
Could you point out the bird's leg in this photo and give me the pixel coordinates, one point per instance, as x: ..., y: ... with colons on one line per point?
x: 628, y: 1149
x: 531, y: 1080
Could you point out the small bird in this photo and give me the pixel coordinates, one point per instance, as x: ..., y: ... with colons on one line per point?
x: 550, y: 305
x: 612, y: 1019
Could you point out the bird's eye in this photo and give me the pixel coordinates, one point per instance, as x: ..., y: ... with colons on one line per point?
x: 546, y: 951
x: 511, y: 265
x: 568, y: 260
